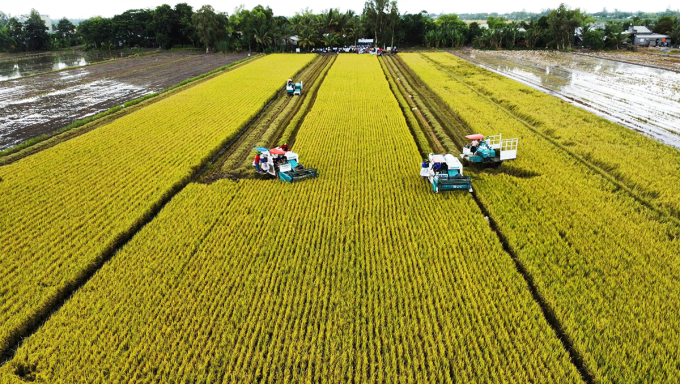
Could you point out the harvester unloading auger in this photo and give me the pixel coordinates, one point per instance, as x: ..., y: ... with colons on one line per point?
x: 284, y: 165
x: 293, y: 88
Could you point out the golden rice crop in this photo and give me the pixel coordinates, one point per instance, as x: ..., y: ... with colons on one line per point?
x: 604, y: 262
x: 64, y: 207
x: 361, y: 275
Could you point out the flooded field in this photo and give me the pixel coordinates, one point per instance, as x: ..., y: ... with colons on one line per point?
x: 648, y: 57
x: 641, y: 98
x: 33, y: 106
x: 14, y: 66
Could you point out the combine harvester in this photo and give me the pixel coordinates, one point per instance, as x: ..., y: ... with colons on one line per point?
x: 445, y: 173
x: 293, y: 88
x: 284, y: 165
x: 484, y: 153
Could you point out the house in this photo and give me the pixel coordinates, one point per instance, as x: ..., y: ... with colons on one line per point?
x: 48, y: 23
x: 642, y: 36
x: 578, y: 32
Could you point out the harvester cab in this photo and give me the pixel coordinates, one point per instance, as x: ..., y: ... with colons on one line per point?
x: 445, y: 173
x: 489, y: 150
x: 284, y: 164
x: 293, y: 88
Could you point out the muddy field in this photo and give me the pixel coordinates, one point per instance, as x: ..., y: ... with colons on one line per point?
x: 653, y: 58
x: 16, y: 65
x: 36, y: 105
x: 639, y: 97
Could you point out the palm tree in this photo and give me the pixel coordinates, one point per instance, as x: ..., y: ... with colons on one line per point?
x: 616, y: 35
x: 331, y: 39
x: 264, y: 35
x: 307, y: 39
x: 356, y: 29
x: 286, y: 33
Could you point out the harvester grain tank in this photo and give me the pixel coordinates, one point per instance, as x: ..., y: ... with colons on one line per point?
x: 445, y: 173
x: 284, y: 164
x: 293, y: 88
x: 490, y: 150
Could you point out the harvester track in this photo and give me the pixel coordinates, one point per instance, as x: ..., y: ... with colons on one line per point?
x: 444, y: 121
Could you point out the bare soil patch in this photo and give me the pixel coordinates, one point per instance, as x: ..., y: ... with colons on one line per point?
x: 30, y: 107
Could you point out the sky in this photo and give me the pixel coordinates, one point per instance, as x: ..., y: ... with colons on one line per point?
x: 57, y: 9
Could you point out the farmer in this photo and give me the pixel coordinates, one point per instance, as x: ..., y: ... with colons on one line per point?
x: 423, y: 170
x: 285, y: 147
x: 256, y: 162
x: 474, y: 146
x: 437, y: 167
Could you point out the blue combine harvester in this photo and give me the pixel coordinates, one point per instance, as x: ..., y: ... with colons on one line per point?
x: 284, y: 165
x: 445, y: 173
x: 489, y: 151
x: 293, y: 88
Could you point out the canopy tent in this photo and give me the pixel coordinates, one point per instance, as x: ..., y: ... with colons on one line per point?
x: 476, y: 136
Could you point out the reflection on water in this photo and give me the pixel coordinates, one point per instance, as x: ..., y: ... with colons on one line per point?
x: 641, y: 98
x: 20, y: 65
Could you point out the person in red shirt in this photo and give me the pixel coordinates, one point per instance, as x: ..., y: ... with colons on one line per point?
x: 256, y: 162
x: 285, y: 147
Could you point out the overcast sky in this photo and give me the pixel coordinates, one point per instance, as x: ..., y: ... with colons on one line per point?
x: 57, y: 9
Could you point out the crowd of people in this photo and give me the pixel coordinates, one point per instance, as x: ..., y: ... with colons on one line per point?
x: 356, y: 49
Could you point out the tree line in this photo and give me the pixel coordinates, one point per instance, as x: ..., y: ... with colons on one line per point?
x: 259, y: 29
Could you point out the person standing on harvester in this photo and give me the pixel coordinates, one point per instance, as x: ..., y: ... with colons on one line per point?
x: 256, y: 162
x: 285, y: 147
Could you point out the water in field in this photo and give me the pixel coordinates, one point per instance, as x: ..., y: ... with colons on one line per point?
x: 638, y: 97
x: 14, y: 66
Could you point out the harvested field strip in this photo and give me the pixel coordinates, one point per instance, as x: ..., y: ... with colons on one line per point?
x: 445, y: 124
x: 357, y: 276
x: 624, y: 155
x: 58, y: 87
x: 606, y: 264
x: 80, y: 127
x: 44, y: 104
x: 267, y: 130
x: 64, y: 208
x: 420, y: 128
